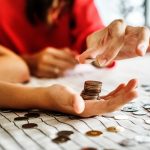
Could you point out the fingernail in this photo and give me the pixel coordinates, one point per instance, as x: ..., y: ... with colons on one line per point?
x: 102, y: 62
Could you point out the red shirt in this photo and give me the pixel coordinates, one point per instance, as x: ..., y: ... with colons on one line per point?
x: 19, y: 35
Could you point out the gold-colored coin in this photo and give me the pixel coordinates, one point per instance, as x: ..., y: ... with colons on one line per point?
x: 94, y: 133
x: 115, y: 129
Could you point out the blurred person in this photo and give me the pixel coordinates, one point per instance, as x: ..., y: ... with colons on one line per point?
x: 44, y: 36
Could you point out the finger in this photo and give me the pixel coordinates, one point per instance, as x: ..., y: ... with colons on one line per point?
x: 117, y: 32
x: 113, y: 92
x: 120, y: 100
x: 48, y: 72
x: 143, y: 41
x: 89, y: 53
x: 111, y: 52
x: 59, y: 63
x: 78, y: 104
x: 62, y: 55
x: 132, y: 84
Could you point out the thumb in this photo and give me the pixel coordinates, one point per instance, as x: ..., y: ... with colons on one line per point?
x: 78, y: 104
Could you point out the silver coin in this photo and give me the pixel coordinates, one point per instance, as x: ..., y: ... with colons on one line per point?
x: 147, y: 90
x: 128, y: 142
x: 130, y: 109
x: 139, y: 113
x: 146, y: 106
x: 147, y: 121
x: 145, y: 85
x: 142, y: 139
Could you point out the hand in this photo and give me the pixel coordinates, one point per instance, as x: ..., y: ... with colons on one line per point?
x: 51, y: 62
x: 67, y: 101
x: 117, y: 41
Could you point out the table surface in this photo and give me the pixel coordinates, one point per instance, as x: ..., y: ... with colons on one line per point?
x: 13, y: 136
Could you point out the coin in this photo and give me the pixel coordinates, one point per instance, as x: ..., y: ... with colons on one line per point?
x: 146, y: 106
x: 142, y: 139
x: 32, y: 115
x: 92, y: 82
x: 87, y: 97
x: 94, y: 133
x: 96, y: 64
x: 91, y: 90
x: 6, y: 110
x: 139, y: 113
x: 20, y: 118
x: 65, y: 133
x: 121, y: 117
x: 115, y: 129
x: 130, y: 109
x: 147, y: 121
x: 145, y: 85
x: 89, y: 148
x: 29, y: 125
x: 128, y: 142
x: 61, y: 139
x: 147, y: 90
x: 90, y: 93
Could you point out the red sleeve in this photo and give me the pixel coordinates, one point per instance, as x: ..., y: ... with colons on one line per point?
x: 87, y: 20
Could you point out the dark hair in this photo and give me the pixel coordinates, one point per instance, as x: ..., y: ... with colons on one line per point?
x: 38, y: 9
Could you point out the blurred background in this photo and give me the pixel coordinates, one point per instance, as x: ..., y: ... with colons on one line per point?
x: 135, y: 12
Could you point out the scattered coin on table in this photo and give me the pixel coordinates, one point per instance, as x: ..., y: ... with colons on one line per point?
x: 115, y: 129
x: 142, y: 139
x: 32, y: 115
x: 29, y: 125
x: 128, y: 142
x: 89, y: 148
x: 129, y: 109
x: 146, y: 106
x: 6, y: 110
x: 147, y: 121
x: 145, y: 85
x: 147, y: 90
x: 61, y: 139
x: 20, y: 118
x: 65, y: 133
x: 94, y: 133
x: 139, y: 113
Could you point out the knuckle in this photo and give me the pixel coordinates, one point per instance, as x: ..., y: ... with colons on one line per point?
x: 145, y: 30
x: 119, y: 23
x: 43, y: 58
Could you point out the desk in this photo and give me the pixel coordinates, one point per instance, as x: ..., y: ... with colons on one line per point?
x: 12, y: 136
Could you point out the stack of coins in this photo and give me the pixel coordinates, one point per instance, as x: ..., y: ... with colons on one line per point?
x: 91, y: 90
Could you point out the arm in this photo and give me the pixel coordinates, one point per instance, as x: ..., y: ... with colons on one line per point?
x: 12, y: 67
x: 67, y: 101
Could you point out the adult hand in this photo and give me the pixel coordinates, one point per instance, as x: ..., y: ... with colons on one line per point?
x: 117, y: 41
x: 68, y: 101
x: 51, y: 62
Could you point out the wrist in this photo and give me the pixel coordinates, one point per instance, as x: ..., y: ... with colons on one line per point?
x: 42, y: 98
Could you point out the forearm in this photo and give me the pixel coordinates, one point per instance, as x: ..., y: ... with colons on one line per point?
x: 20, y: 97
x: 12, y: 68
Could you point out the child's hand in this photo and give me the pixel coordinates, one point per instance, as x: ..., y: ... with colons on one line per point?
x: 117, y: 41
x: 62, y: 99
